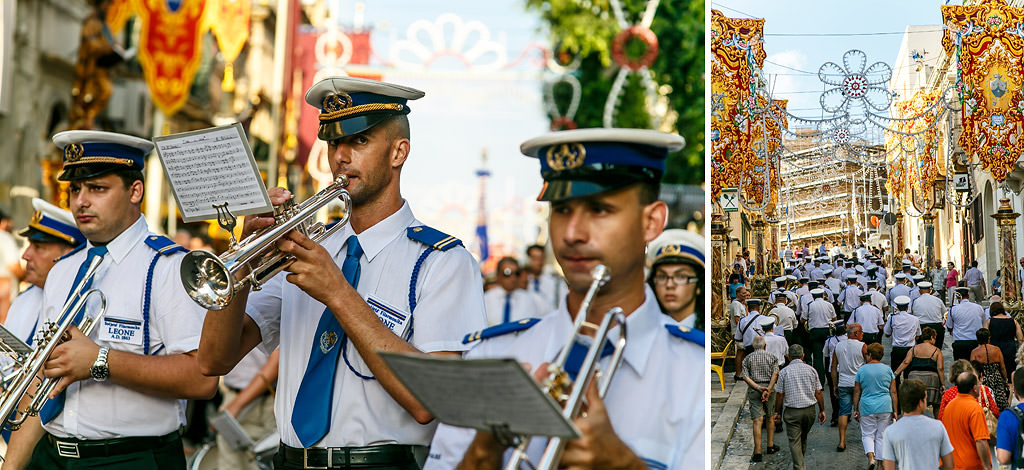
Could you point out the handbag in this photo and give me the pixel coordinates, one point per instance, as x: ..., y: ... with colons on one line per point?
x: 990, y: 418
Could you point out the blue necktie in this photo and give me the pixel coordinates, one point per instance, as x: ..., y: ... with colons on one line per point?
x: 536, y: 284
x: 311, y: 417
x: 507, y: 316
x: 53, y: 407
x: 578, y: 353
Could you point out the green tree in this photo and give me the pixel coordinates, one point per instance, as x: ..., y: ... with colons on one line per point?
x: 587, y: 27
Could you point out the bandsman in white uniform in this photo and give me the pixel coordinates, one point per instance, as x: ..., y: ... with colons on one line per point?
x: 508, y: 303
x: 383, y: 282
x: 819, y: 314
x: 898, y: 289
x: 964, y: 320
x: 51, y: 233
x: 862, y: 278
x: 877, y: 298
x: 549, y: 286
x: 676, y: 262
x: 787, y: 318
x: 849, y: 297
x: 915, y: 291
x: 121, y: 397
x: 774, y: 343
x: 869, y: 318
x: 904, y: 329
x: 620, y: 430
x: 780, y: 289
x: 749, y: 326
x: 930, y: 311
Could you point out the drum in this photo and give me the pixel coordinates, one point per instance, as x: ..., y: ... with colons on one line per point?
x: 265, y: 449
x: 205, y: 458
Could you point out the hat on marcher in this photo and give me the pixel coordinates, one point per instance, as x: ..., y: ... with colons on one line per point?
x: 350, y: 105
x: 88, y: 154
x: 51, y: 224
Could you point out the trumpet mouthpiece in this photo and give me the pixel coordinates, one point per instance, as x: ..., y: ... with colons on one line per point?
x: 600, y: 273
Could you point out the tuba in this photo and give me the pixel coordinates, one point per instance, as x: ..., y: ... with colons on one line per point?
x: 28, y: 362
x: 212, y: 281
x: 569, y: 394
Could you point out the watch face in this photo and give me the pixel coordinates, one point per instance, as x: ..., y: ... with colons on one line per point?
x: 100, y: 372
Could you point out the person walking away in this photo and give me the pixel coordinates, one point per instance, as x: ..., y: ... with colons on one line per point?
x: 874, y: 400
x: 837, y: 334
x: 924, y: 363
x: 964, y: 320
x: 952, y: 280
x: 1008, y: 436
x: 988, y: 360
x: 760, y: 372
x: 904, y: 329
x: 1006, y: 334
x: 965, y: 424
x: 846, y: 361
x: 798, y: 390
x: 975, y: 281
x: 938, y: 279
x: 930, y: 311
x: 915, y: 441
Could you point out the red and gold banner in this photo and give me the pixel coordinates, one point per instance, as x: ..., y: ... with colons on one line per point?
x: 736, y: 46
x: 169, y: 49
x: 987, y: 43
x: 118, y: 13
x: 765, y: 139
x: 915, y: 161
x: 229, y: 22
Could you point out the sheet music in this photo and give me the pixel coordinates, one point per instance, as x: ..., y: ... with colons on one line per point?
x: 11, y: 343
x: 212, y: 166
x: 481, y: 394
x: 227, y: 426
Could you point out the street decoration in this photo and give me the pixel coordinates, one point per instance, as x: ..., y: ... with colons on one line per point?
x: 914, y: 156
x: 641, y: 31
x: 169, y: 49
x: 229, y: 23
x: 736, y: 50
x: 987, y: 42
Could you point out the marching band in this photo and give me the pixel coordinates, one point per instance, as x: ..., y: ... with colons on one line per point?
x: 124, y: 344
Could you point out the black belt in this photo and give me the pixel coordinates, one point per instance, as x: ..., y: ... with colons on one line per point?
x: 84, y: 449
x: 343, y: 457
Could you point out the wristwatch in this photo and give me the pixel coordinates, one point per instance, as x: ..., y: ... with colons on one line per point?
x: 99, y: 370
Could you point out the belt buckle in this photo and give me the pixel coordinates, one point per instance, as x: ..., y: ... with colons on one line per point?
x: 68, y: 449
x: 305, y: 459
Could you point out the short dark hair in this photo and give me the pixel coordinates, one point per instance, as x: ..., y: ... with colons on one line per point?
x: 1018, y: 381
x: 534, y: 247
x: 649, y: 192
x: 966, y: 381
x: 395, y: 127
x: 996, y: 309
x: 927, y: 333
x: 912, y: 391
x: 507, y: 259
x: 130, y: 176
x: 974, y: 264
x: 983, y: 335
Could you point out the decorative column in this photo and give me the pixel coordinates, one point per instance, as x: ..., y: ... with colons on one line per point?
x: 719, y: 253
x: 760, y: 286
x: 928, y: 257
x: 897, y: 244
x: 1006, y: 225
x: 775, y: 268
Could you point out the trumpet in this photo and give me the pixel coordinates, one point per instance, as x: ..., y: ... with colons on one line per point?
x: 569, y: 393
x: 212, y: 281
x: 27, y: 365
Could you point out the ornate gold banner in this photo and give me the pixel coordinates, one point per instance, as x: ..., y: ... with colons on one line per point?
x: 169, y: 49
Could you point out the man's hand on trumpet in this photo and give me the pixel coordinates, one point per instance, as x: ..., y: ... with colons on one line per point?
x: 71, y: 360
x: 252, y: 223
x: 313, y: 271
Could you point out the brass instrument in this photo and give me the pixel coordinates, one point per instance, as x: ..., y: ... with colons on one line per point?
x: 570, y: 394
x: 28, y: 365
x: 212, y: 281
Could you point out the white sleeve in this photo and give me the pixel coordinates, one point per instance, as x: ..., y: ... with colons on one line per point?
x: 264, y: 307
x: 177, y: 320
x: 449, y: 302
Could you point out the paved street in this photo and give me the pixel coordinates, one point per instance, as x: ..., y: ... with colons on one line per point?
x: 731, y: 448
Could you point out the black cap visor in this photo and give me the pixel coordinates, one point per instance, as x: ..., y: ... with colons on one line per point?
x: 594, y: 179
x: 334, y: 130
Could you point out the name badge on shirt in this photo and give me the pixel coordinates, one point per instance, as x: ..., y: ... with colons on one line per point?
x: 397, y: 320
x: 116, y: 330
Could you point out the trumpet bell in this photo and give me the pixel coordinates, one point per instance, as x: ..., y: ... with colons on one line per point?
x: 207, y: 280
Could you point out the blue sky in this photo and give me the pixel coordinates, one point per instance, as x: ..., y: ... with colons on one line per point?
x: 808, y: 53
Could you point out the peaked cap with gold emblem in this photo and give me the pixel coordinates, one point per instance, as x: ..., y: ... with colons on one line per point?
x: 350, y: 105
x: 583, y: 162
x: 51, y: 224
x: 88, y: 154
x: 678, y: 246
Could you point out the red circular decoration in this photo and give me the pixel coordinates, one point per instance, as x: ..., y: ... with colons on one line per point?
x: 641, y: 33
x: 561, y: 123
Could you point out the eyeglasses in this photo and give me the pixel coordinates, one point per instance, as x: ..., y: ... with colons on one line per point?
x: 680, y: 279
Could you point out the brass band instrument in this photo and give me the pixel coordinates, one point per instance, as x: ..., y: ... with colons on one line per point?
x: 212, y: 281
x: 29, y: 365
x: 570, y: 394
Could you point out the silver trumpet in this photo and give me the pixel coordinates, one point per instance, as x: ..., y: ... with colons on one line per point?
x: 570, y: 393
x: 212, y: 281
x: 28, y: 364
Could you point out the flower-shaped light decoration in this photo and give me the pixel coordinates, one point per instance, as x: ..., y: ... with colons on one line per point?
x: 855, y: 84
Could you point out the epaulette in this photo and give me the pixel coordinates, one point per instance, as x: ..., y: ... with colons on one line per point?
x: 72, y: 252
x: 163, y: 245
x: 498, y: 330
x: 437, y: 239
x: 688, y: 334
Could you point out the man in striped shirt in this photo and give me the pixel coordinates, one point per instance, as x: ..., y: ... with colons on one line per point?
x: 799, y: 389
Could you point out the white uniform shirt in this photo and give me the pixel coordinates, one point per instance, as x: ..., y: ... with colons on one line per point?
x: 23, y: 315
x: 904, y: 329
x: 834, y: 286
x: 523, y: 304
x: 449, y: 305
x: 965, y: 319
x: 868, y: 317
x: 862, y: 281
x: 819, y: 314
x: 928, y: 308
x: 878, y: 300
x: 246, y: 369
x: 549, y: 287
x: 103, y: 410
x: 749, y: 328
x: 777, y: 345
x: 830, y: 347
x: 896, y: 291
x: 881, y: 276
x: 657, y: 366
x: 816, y: 274
x: 849, y: 298
x: 787, y: 317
